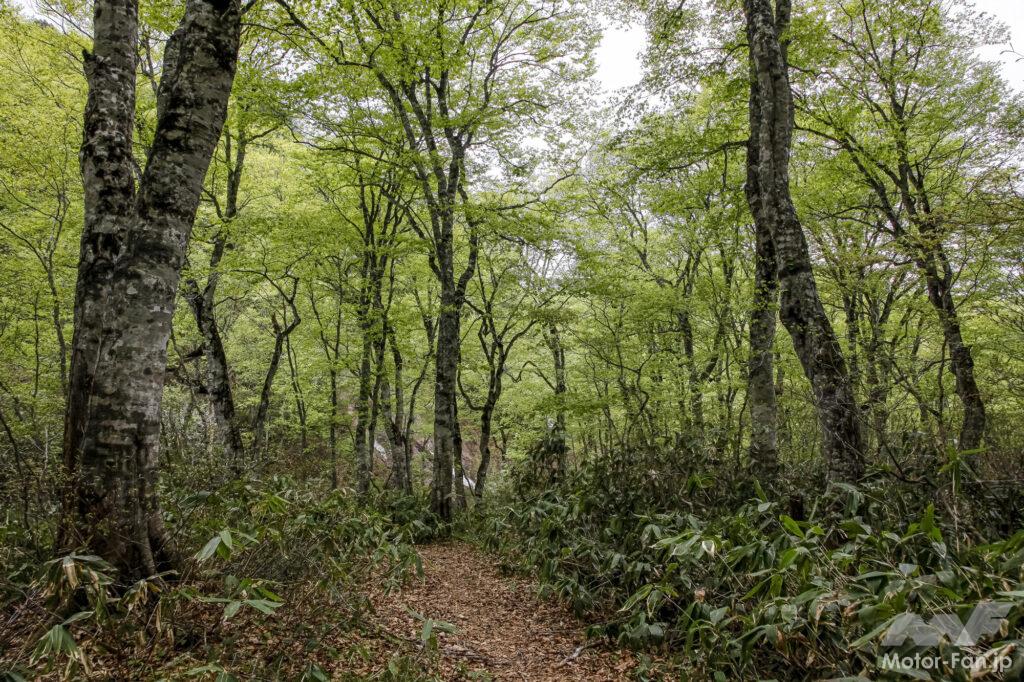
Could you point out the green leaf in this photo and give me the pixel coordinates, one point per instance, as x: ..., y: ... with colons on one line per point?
x: 208, y: 549
x: 264, y: 605
x: 81, y: 615
x: 427, y: 631
x: 792, y: 526
x: 231, y: 609
x: 225, y: 537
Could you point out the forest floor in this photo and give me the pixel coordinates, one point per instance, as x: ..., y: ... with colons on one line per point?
x: 485, y: 625
x: 502, y: 629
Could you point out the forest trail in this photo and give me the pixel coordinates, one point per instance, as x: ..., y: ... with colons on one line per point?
x: 503, y: 629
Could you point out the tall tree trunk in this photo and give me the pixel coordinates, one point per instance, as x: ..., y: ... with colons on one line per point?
x: 446, y: 424
x: 801, y: 311
x: 133, y: 248
x: 363, y: 437
x: 300, y: 399
x: 557, y: 446
x: 218, y: 380
x: 939, y: 279
x: 401, y: 452
x: 203, y: 304
x: 764, y: 417
x: 259, y: 423
x: 448, y: 355
x: 393, y: 418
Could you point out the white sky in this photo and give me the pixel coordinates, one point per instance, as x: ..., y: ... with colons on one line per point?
x: 618, y: 56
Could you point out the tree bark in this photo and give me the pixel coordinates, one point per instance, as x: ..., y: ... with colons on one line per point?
x: 218, y: 380
x: 442, y: 179
x: 801, y: 311
x: 133, y: 248
x: 363, y: 446
x: 203, y: 304
x: 764, y: 437
x: 445, y: 417
x: 556, y: 447
x: 939, y: 280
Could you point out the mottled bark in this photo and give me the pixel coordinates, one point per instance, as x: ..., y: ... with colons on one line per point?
x: 203, y: 304
x: 764, y: 437
x: 556, y: 448
x: 768, y: 194
x: 939, y: 280
x: 218, y: 381
x: 363, y: 440
x: 133, y: 248
x: 281, y: 333
x: 448, y: 355
x: 440, y: 170
x: 446, y: 423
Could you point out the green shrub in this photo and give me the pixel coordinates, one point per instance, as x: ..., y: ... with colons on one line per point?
x: 741, y: 589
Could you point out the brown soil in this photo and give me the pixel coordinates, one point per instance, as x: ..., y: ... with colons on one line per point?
x: 502, y: 629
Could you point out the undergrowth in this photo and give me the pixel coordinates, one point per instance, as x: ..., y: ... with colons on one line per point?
x: 279, y: 577
x: 733, y: 583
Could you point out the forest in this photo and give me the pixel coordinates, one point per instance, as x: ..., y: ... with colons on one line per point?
x: 375, y: 340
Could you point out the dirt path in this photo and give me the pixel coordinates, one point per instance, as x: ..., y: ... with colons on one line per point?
x: 503, y: 630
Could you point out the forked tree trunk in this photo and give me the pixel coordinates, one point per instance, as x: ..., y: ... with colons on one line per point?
x: 133, y: 248
x: 203, y: 304
x: 281, y: 332
x: 218, y: 379
x: 801, y: 311
x: 939, y: 280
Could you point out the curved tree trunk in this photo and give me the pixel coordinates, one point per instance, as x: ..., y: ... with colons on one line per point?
x: 939, y: 280
x: 203, y: 304
x: 486, y: 424
x: 259, y: 423
x: 133, y: 248
x: 801, y: 311
x: 218, y: 380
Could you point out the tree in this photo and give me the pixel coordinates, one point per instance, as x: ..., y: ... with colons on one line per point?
x: 501, y: 301
x: 133, y: 248
x: 923, y: 123
x: 768, y: 194
x: 458, y: 77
